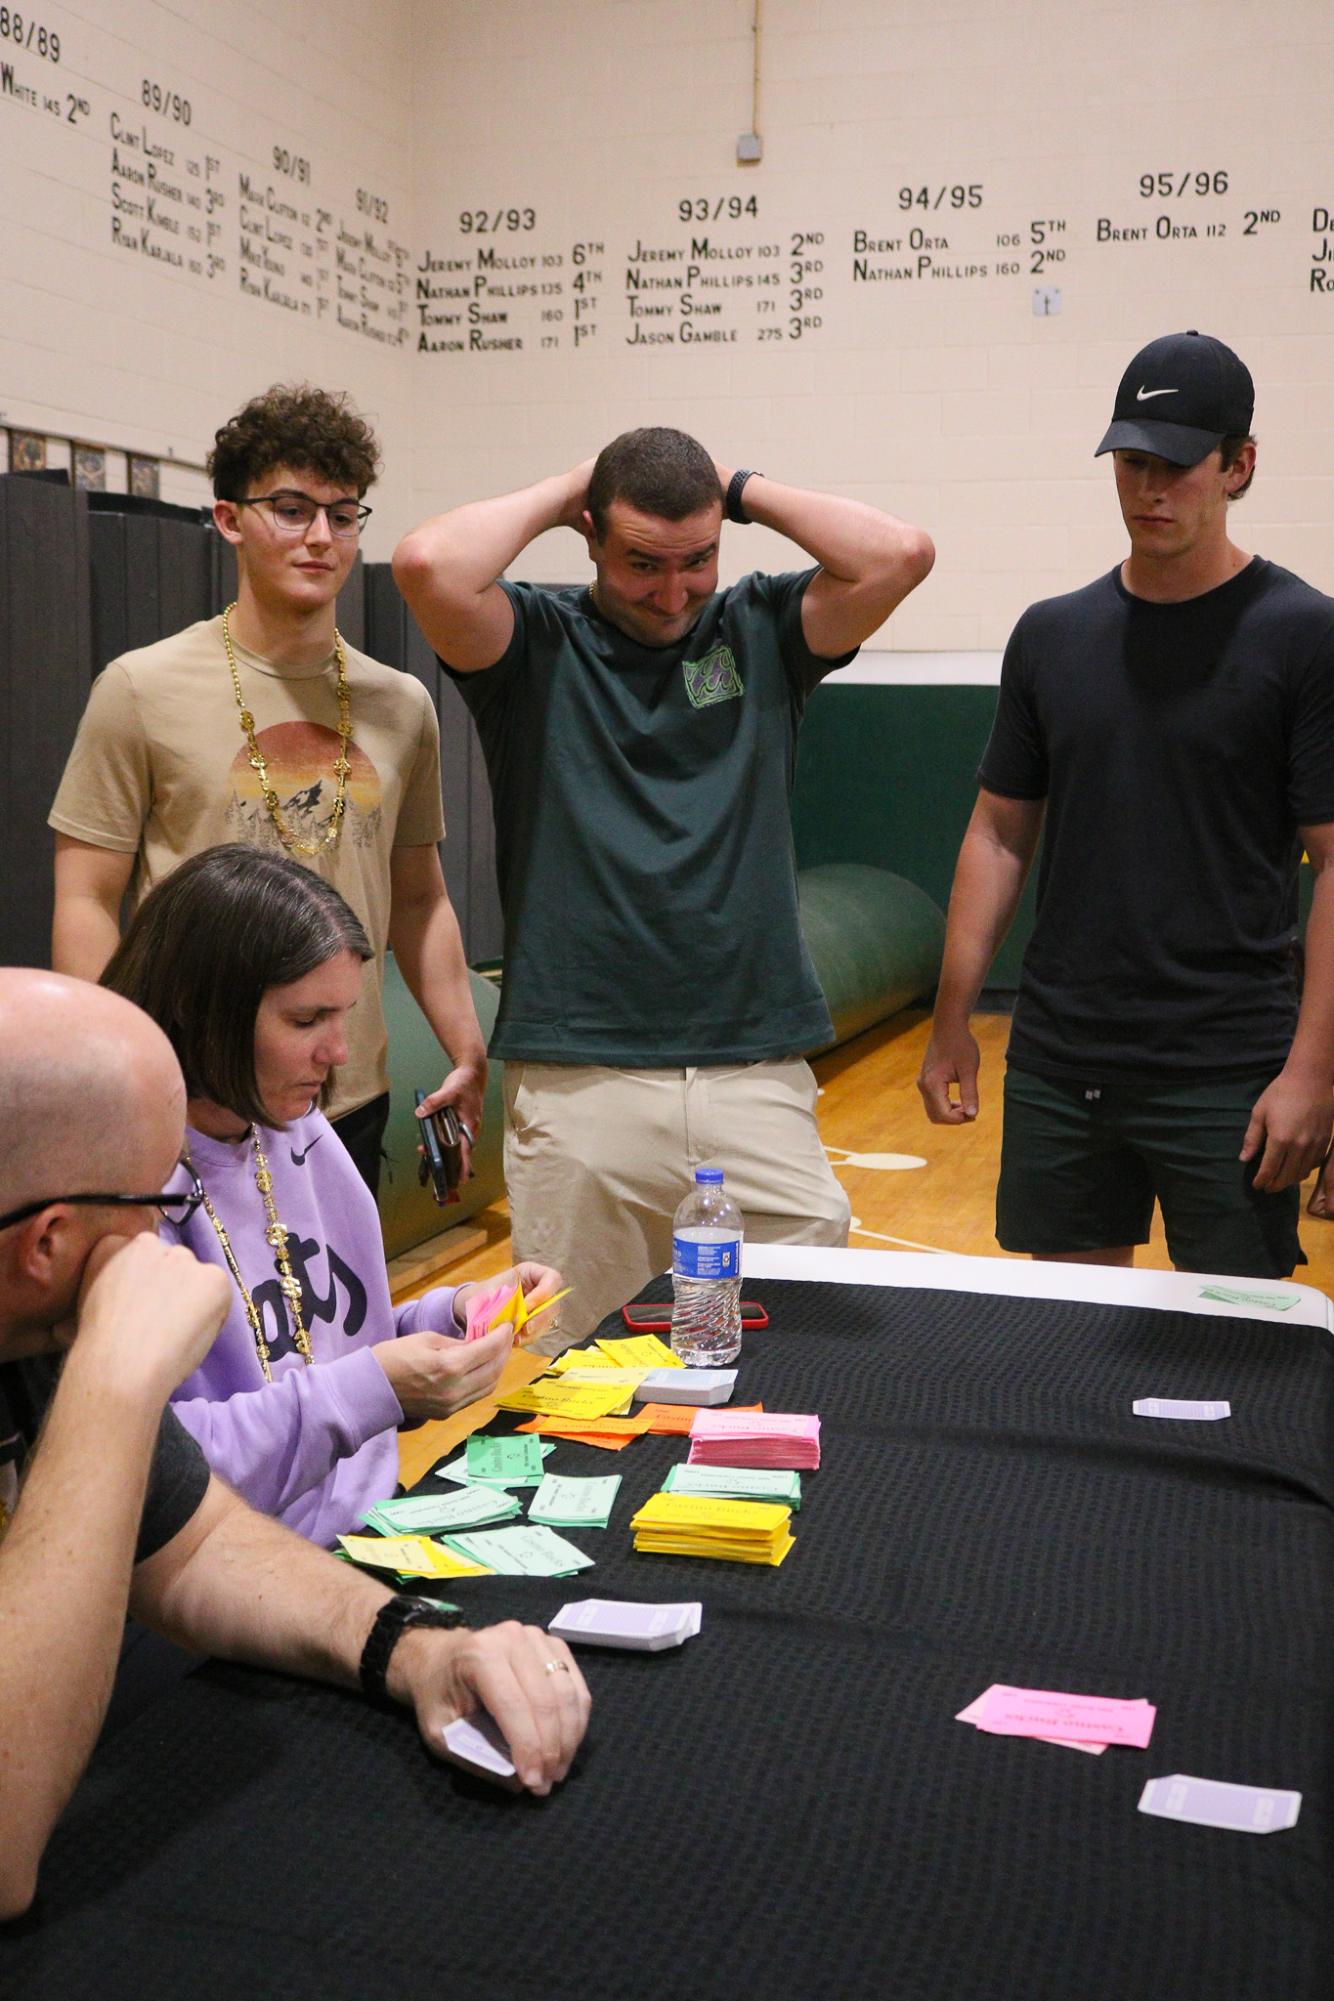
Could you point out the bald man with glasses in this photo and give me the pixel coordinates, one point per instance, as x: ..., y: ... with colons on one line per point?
x: 263, y: 725
x: 106, y: 1503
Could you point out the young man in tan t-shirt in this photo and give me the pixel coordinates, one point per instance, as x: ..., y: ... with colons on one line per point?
x: 233, y: 730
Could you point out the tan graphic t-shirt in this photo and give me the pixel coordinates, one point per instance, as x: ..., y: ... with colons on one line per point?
x: 161, y: 770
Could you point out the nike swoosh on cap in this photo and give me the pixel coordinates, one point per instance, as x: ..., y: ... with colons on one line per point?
x: 1145, y: 395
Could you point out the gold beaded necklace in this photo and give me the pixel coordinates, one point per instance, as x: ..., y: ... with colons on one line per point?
x: 289, y: 1283
x: 341, y: 763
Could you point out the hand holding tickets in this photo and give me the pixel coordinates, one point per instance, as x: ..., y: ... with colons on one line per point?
x: 516, y: 1300
x: 518, y: 1687
x: 475, y: 1743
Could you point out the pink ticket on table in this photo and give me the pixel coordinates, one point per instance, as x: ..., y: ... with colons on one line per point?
x: 771, y: 1424
x: 1081, y: 1719
x: 978, y: 1706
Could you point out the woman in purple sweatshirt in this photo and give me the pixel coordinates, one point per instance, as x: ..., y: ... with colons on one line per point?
x: 251, y: 964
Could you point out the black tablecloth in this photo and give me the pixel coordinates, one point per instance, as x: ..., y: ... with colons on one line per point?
x: 785, y: 1806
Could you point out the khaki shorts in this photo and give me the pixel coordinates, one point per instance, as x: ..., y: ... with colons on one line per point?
x: 596, y: 1161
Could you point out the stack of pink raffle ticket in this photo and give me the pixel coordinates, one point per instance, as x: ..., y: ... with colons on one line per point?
x: 755, y: 1438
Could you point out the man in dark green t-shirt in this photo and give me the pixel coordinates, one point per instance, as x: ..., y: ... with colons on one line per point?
x: 640, y: 737
x: 106, y: 1503
x: 1169, y: 730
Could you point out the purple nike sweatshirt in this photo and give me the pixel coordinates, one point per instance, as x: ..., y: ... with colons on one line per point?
x: 318, y: 1444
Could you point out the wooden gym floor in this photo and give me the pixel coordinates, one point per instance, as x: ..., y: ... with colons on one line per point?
x: 869, y: 1105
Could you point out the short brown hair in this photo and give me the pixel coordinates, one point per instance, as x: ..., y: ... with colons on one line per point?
x: 294, y: 425
x: 1230, y: 449
x: 657, y: 470
x: 205, y: 946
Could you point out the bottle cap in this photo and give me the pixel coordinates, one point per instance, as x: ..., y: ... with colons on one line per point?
x: 712, y: 1176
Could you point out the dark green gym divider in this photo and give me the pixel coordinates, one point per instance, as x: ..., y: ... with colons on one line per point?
x: 888, y: 775
x: 875, y: 940
x: 408, y: 1212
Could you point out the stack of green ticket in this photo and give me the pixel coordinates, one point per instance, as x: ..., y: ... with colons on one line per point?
x: 742, y: 1483
x: 566, y: 1503
x: 427, y: 1514
x: 520, y: 1552
x: 460, y: 1470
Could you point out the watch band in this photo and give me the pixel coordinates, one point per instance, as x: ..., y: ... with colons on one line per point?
x: 732, y: 504
x: 392, y: 1620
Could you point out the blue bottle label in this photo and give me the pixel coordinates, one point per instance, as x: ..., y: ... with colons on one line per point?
x: 694, y: 1260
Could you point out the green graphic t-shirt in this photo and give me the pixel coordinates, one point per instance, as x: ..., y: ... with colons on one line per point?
x: 643, y: 831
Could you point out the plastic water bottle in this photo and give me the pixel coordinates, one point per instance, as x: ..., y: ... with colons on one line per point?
x: 706, y: 1274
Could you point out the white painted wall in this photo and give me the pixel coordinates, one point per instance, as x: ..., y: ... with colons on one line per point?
x: 940, y: 395
x: 102, y: 341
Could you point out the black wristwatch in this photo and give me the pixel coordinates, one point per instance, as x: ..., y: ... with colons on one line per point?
x: 732, y: 504
x: 391, y: 1621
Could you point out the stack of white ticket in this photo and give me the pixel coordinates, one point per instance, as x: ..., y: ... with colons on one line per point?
x: 694, y: 1386
x: 609, y: 1622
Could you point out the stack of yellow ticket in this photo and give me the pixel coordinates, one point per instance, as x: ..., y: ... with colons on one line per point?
x: 700, y: 1525
x: 557, y: 1396
x: 409, y: 1556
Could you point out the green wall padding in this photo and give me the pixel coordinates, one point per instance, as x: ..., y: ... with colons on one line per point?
x: 888, y: 776
x: 875, y: 940
x: 408, y: 1213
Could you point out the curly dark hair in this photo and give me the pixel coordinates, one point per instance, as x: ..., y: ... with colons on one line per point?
x: 658, y: 470
x: 294, y: 425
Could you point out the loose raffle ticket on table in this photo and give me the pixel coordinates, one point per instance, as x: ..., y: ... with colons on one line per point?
x: 731, y: 1499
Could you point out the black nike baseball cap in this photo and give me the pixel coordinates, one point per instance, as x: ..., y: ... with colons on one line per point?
x: 1205, y: 386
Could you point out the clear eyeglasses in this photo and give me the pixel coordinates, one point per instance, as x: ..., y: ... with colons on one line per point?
x: 294, y: 513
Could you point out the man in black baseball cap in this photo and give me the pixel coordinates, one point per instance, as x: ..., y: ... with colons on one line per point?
x: 1169, y: 732
x: 1180, y: 398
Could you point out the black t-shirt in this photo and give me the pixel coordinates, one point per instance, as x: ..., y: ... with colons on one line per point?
x: 176, y: 1482
x: 1179, y: 747
x: 643, y: 831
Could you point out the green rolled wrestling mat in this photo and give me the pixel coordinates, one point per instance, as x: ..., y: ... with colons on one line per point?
x: 408, y: 1212
x: 876, y: 941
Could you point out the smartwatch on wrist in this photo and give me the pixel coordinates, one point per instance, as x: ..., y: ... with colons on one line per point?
x: 392, y: 1620
x: 732, y: 504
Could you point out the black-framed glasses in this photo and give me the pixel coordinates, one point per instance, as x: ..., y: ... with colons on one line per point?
x: 176, y: 1208
x: 293, y: 513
